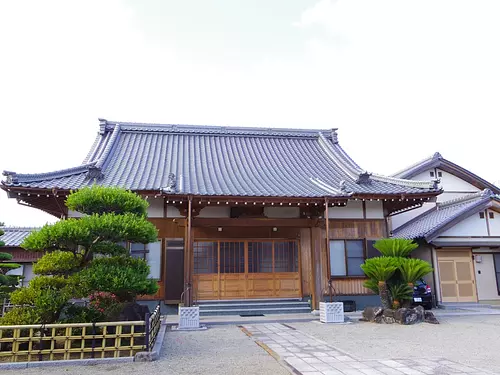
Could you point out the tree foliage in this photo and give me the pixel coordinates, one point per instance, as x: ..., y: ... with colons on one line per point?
x: 100, y: 200
x: 86, y: 255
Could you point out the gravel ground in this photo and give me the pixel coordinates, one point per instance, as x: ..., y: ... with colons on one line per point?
x: 469, y: 340
x: 218, y: 350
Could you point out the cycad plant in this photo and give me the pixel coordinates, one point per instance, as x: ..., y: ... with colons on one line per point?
x: 379, y: 270
x: 395, y: 247
x: 399, y: 294
x: 392, y: 275
x: 412, y: 270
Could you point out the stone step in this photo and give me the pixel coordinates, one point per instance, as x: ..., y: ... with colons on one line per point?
x: 256, y: 311
x: 253, y: 305
x: 248, y: 301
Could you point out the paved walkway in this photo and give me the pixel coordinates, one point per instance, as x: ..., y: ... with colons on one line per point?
x: 307, y: 355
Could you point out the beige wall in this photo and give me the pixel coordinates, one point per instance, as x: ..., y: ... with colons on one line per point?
x: 485, y: 277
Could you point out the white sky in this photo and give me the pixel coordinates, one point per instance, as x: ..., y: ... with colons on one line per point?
x: 399, y: 79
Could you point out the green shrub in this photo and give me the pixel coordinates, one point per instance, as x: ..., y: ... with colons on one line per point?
x: 21, y: 316
x: 124, y: 276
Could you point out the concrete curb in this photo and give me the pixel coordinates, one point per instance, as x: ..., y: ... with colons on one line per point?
x: 154, y: 354
x: 62, y: 363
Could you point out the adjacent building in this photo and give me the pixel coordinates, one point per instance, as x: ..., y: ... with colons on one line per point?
x: 12, y: 239
x: 459, y: 233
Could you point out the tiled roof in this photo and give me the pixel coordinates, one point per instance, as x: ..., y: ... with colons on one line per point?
x: 437, y: 161
x: 442, y: 217
x: 14, y: 236
x: 221, y: 161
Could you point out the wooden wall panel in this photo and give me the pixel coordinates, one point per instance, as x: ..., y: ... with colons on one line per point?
x: 350, y: 287
x: 245, y: 232
x: 306, y: 261
x: 169, y: 228
x: 346, y: 229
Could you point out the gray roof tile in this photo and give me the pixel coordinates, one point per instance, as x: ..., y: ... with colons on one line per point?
x: 221, y: 161
x: 429, y: 224
x: 14, y: 236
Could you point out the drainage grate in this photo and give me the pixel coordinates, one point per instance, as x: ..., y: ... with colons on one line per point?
x: 250, y: 315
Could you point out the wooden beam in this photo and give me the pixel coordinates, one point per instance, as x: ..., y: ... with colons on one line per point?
x: 327, y: 229
x: 254, y: 222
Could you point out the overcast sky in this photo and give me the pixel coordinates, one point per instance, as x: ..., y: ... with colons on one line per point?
x: 401, y: 80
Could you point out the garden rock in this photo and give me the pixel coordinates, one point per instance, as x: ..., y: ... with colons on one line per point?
x: 430, y: 318
x: 409, y: 316
x: 372, y: 312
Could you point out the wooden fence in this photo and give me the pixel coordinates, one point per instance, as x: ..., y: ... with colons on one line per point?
x: 27, y: 343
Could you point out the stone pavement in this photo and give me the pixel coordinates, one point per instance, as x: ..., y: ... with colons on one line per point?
x: 306, y: 355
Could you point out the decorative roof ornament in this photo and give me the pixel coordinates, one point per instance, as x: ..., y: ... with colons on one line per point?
x: 435, y: 183
x: 335, y: 136
x: 11, y: 177
x: 94, y: 173
x: 364, y: 178
x: 102, y: 125
x: 171, y: 184
x: 437, y: 155
x: 342, y: 185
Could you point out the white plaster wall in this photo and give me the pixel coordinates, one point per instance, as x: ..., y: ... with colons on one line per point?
x: 353, y: 210
x: 485, y: 277
x: 400, y: 219
x: 155, y: 208
x: 282, y: 212
x: 173, y: 211
x: 450, y: 182
x: 215, y: 212
x: 494, y: 223
x: 472, y: 226
x: 374, y: 210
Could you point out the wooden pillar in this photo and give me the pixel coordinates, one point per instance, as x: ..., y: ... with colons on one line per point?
x: 188, y: 291
x: 327, y: 230
x: 316, y: 287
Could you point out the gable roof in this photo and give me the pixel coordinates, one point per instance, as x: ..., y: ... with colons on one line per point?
x: 444, y: 215
x: 437, y: 161
x: 220, y: 161
x: 14, y: 236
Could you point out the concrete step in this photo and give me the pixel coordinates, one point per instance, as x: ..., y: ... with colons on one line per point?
x: 254, y: 307
x: 256, y: 311
x: 463, y: 305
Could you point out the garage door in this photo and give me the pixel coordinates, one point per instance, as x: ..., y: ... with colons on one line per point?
x: 456, y: 276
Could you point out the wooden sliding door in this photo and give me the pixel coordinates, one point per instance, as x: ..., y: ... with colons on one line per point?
x: 246, y: 269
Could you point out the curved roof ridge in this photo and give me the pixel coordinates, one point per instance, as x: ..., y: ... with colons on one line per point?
x: 428, y: 159
x: 331, y: 152
x: 107, y: 149
x: 404, y: 182
x: 480, y: 194
x: 13, y: 177
x: 214, y: 129
x: 330, y: 189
